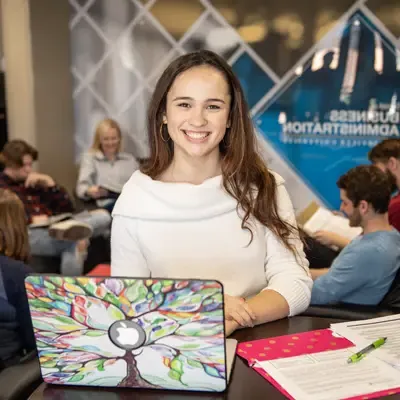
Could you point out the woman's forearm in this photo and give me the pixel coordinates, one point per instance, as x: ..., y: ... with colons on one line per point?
x: 267, y: 306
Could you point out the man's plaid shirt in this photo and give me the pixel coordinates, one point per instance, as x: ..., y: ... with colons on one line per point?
x: 39, y: 200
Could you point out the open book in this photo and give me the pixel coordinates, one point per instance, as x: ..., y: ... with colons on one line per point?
x: 114, y: 187
x: 51, y: 220
x: 316, y: 218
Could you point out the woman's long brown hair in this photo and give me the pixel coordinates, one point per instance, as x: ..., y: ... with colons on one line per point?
x: 245, y: 175
x: 14, y: 242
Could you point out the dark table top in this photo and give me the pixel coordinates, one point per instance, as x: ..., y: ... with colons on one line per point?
x: 245, y: 383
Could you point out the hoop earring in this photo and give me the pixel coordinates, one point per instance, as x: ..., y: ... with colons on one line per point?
x: 224, y: 141
x: 162, y: 136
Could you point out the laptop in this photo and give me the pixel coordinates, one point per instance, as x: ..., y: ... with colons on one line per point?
x: 126, y: 332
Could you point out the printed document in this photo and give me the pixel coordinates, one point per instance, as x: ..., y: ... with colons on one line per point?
x: 328, y: 376
x: 363, y: 333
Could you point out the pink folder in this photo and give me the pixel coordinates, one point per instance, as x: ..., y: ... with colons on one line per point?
x: 296, y: 345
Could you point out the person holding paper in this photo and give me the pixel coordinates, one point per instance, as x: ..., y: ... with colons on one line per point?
x: 105, y: 168
x: 386, y: 156
x: 364, y: 270
x: 331, y: 239
x: 205, y: 205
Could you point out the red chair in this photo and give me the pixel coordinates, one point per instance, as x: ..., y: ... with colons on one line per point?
x: 100, y: 270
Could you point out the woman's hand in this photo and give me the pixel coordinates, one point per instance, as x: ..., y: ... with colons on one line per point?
x: 237, y: 310
x: 40, y: 219
x: 94, y: 192
x: 230, y: 327
x: 35, y: 179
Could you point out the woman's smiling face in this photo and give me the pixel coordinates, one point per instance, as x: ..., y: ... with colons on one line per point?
x: 197, y: 111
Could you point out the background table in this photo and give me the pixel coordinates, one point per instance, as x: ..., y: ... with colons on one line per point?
x: 245, y: 382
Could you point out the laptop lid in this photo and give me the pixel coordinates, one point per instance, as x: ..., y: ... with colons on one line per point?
x: 140, y: 333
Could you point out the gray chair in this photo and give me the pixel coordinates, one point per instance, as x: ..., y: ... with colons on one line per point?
x: 19, y: 381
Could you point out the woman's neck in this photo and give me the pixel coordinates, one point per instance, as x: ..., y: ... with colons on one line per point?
x: 110, y: 156
x: 192, y: 170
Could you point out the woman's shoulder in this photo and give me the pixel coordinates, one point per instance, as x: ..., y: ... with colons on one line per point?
x: 136, y: 195
x: 139, y: 185
x: 139, y: 178
x: 8, y: 261
x: 278, y: 178
x: 137, y: 182
x: 13, y: 268
x: 284, y: 202
x: 89, y: 155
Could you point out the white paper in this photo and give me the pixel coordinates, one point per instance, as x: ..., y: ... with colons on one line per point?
x: 325, y: 220
x: 363, y: 333
x: 51, y: 220
x: 328, y: 376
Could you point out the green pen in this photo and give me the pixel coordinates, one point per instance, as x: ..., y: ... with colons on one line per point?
x: 362, y: 353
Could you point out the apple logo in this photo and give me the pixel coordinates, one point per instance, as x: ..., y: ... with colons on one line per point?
x: 127, y: 334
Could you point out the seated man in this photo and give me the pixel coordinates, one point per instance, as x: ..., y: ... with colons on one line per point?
x: 364, y: 270
x: 386, y: 156
x: 42, y: 199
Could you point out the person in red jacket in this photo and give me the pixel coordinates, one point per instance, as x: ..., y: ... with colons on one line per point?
x: 386, y: 156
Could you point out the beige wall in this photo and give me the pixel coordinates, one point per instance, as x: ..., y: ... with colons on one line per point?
x: 1, y: 36
x: 38, y: 81
x: 19, y: 77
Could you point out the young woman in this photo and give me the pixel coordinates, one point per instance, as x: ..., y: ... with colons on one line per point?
x: 205, y: 205
x: 104, y: 168
x: 16, y: 332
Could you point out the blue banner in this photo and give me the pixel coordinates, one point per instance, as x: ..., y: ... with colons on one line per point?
x: 342, y: 101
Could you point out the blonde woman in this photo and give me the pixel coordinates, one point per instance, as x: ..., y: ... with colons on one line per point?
x: 104, y: 168
x: 16, y: 332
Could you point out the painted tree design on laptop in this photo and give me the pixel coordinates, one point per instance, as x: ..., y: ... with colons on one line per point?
x: 183, y: 322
